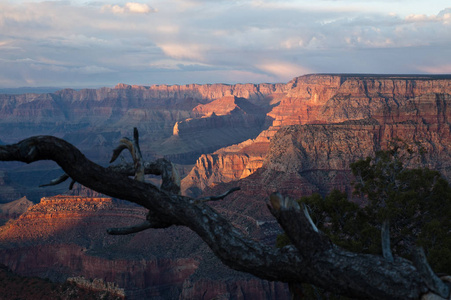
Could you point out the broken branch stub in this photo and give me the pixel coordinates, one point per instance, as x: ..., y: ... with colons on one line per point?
x: 135, y: 151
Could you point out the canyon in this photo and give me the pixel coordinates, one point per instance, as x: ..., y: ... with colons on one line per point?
x: 63, y: 238
x: 297, y: 138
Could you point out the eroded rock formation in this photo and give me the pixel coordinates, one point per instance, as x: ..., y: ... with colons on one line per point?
x: 64, y: 237
x: 373, y: 110
x: 308, y: 132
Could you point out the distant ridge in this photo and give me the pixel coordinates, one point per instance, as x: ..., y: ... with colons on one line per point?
x: 47, y: 90
x: 29, y: 90
x: 387, y: 76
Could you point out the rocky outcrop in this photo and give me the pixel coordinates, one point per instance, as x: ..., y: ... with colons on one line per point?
x: 315, y: 158
x: 222, y: 122
x: 337, y: 98
x: 225, y: 165
x: 14, y: 209
x: 413, y: 108
x: 64, y: 237
x: 319, y: 124
x: 225, y: 105
x: 13, y: 286
x: 95, y: 119
x: 255, y: 92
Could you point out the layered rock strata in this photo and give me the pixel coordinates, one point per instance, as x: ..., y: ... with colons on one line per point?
x: 95, y: 120
x: 413, y: 108
x: 64, y: 237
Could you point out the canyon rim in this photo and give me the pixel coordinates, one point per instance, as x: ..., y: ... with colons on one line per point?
x: 298, y: 138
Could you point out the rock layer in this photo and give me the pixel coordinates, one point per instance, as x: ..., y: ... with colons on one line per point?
x: 319, y: 124
x: 379, y: 108
x: 64, y: 237
x: 95, y: 120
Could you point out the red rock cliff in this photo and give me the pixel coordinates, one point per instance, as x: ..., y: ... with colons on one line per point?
x: 414, y: 108
x: 65, y: 236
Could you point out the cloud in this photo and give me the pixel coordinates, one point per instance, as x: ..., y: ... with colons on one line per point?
x: 129, y: 8
x: 440, y: 69
x: 444, y: 17
x: 190, y: 51
x: 102, y: 43
x: 283, y: 70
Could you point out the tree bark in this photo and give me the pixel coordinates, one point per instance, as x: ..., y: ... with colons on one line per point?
x: 313, y: 258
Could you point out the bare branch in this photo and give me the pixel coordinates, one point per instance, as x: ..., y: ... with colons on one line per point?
x: 56, y: 181
x: 307, y: 215
x: 128, y: 230
x: 385, y: 237
x: 314, y: 259
x: 216, y: 198
x: 117, y: 151
x: 298, y: 226
x: 135, y: 151
x: 432, y: 280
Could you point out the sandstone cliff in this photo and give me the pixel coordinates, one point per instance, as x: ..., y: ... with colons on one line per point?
x: 94, y: 121
x: 413, y: 108
x: 64, y: 237
x: 220, y: 123
x: 318, y: 124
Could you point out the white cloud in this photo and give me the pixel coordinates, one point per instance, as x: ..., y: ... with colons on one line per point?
x: 105, y: 41
x: 444, y: 17
x: 283, y: 70
x: 184, y: 51
x: 129, y: 7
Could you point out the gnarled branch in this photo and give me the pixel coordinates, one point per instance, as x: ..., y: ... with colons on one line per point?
x: 135, y: 151
x: 314, y: 259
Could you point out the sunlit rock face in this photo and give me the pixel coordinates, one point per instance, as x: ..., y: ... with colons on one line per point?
x: 335, y: 120
x: 94, y: 120
x: 64, y: 237
x: 297, y: 138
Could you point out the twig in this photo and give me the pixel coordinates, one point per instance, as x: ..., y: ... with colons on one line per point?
x: 56, y: 181
x: 307, y: 215
x: 216, y: 198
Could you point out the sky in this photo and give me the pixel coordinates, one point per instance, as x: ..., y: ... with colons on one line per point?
x: 83, y: 43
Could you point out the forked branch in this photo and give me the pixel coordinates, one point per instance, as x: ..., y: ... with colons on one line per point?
x: 135, y: 151
x: 314, y: 259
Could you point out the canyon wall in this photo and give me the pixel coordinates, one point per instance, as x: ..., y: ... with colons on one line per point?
x: 413, y: 108
x: 64, y: 238
x: 297, y: 138
x: 95, y: 120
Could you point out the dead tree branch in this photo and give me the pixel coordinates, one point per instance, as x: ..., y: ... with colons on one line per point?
x: 216, y: 198
x: 135, y: 151
x: 313, y: 259
x: 385, y: 238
